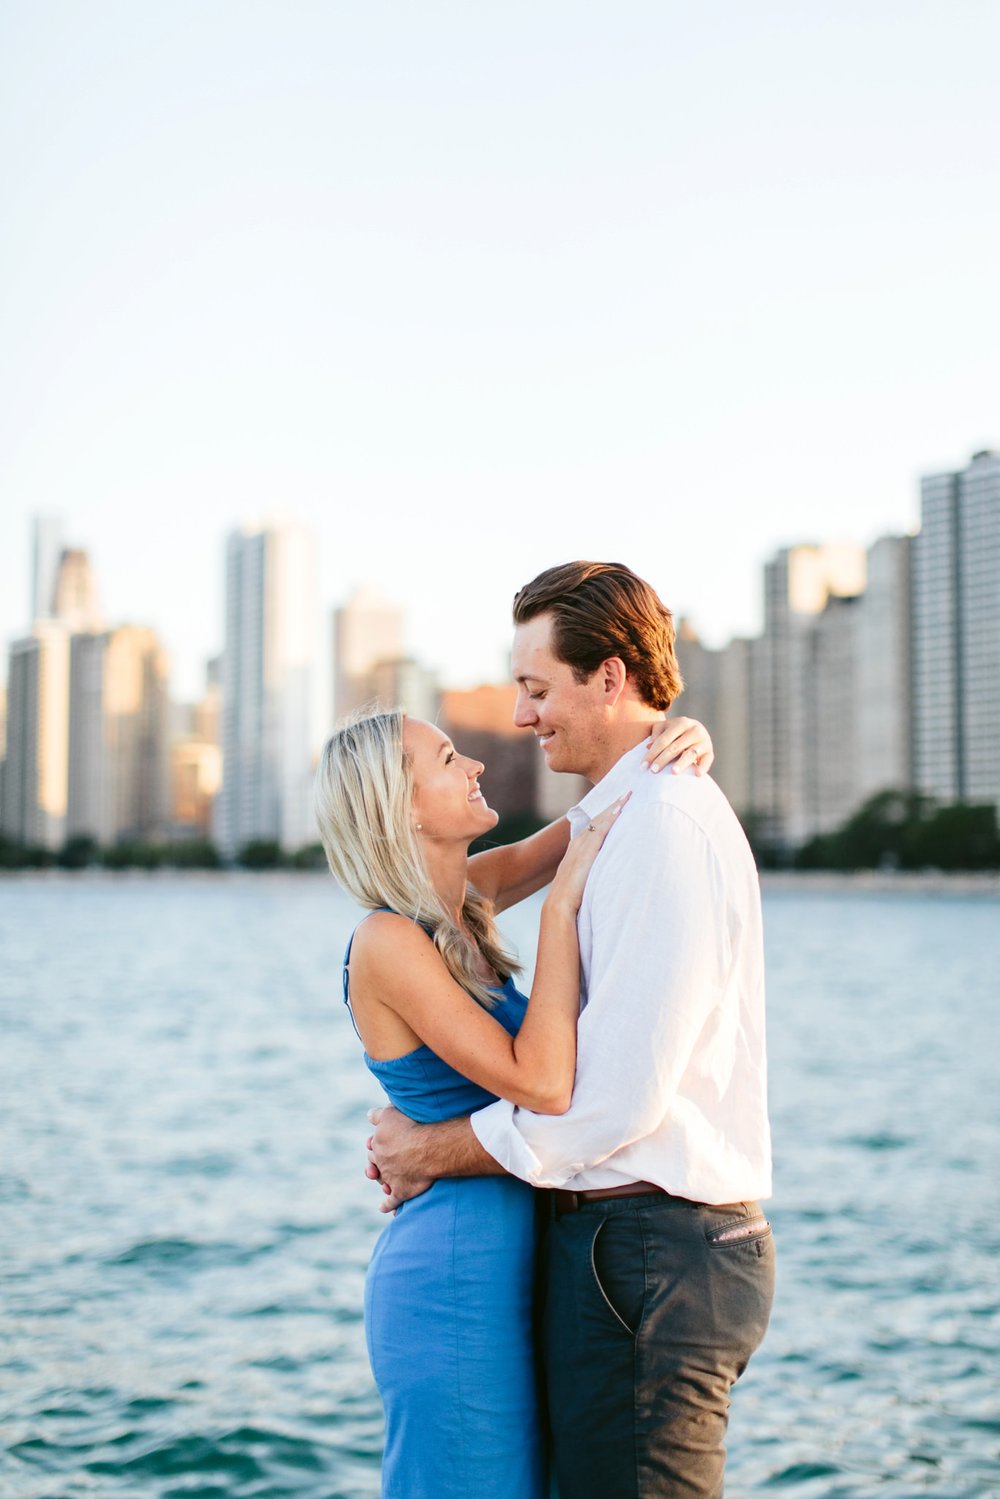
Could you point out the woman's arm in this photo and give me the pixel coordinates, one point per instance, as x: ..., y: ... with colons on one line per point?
x: 395, y: 966
x: 514, y: 871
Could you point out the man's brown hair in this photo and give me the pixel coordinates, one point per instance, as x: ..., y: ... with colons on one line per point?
x: 602, y: 609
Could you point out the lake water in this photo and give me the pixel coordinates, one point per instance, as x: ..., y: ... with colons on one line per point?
x: 184, y: 1220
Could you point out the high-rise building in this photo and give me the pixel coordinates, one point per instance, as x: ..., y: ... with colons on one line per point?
x: 88, y: 794
x: 74, y: 593
x: 367, y: 630
x: 46, y: 550
x: 35, y: 771
x: 405, y: 684
x: 3, y: 743
x: 118, y: 737
x: 979, y: 626
x: 824, y: 719
x: 196, y: 759
x: 717, y: 691
x: 937, y: 675
x: 267, y: 685
x: 730, y: 726
x: 956, y: 634
x: 798, y: 581
x: 700, y: 669
x: 884, y: 672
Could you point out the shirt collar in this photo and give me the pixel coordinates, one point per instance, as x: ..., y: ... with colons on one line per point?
x: 618, y: 780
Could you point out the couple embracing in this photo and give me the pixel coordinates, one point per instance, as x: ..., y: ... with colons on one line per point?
x: 599, y: 1324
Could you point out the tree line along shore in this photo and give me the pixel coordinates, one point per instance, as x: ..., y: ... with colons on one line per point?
x: 894, y: 831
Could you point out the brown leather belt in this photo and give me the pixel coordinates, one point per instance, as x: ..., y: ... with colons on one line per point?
x: 568, y: 1202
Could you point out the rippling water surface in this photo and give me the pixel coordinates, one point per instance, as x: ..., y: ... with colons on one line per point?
x: 184, y: 1222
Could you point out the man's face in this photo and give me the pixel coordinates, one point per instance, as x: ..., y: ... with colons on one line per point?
x: 569, y: 718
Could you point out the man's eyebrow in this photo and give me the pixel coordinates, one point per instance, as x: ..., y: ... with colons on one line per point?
x: 530, y: 676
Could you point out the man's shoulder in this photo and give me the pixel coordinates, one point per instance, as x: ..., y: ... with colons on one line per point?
x: 696, y: 797
x: 665, y: 808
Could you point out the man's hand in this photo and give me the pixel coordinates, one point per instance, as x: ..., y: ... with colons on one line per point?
x: 392, y: 1158
x: 408, y: 1158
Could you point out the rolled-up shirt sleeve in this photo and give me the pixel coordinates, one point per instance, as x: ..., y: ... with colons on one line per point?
x: 655, y: 941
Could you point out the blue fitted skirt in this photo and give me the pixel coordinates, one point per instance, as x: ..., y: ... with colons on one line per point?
x: 448, y: 1318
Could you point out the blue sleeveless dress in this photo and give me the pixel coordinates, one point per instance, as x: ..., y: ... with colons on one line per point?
x: 448, y: 1309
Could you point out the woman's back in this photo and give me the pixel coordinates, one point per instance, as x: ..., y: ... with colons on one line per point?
x: 420, y: 1083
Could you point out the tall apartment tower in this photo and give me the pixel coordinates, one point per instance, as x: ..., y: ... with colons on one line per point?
x: 884, y: 709
x: 35, y: 771
x: 118, y: 737
x: 730, y: 727
x: 74, y: 592
x: 956, y: 634
x: 699, y: 666
x: 367, y: 632
x: 979, y: 624
x: 404, y: 683
x: 196, y: 758
x: 718, y: 690
x: 267, y: 683
x: 46, y: 550
x: 824, y: 747
x: 3, y: 743
x: 937, y: 674
x: 798, y: 583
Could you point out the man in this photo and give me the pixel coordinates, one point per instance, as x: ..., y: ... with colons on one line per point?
x: 659, y: 1265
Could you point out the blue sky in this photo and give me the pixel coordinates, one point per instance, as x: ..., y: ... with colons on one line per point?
x: 476, y: 288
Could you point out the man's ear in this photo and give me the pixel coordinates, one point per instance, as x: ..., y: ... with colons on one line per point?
x: 614, y: 680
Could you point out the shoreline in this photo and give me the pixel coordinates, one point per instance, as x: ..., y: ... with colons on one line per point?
x: 883, y: 881
x: 819, y: 881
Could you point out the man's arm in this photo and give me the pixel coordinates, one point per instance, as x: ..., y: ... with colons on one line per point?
x: 408, y: 1158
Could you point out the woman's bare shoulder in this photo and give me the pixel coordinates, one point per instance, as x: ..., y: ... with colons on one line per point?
x: 385, y: 936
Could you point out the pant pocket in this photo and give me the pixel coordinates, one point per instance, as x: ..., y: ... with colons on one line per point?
x: 618, y: 1262
x: 735, y: 1231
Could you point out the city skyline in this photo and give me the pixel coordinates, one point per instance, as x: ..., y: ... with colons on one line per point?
x: 373, y: 594
x: 472, y: 292
x: 427, y: 628
x: 376, y: 596
x: 875, y: 674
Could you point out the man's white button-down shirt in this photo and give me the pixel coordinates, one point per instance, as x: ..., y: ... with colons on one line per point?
x: 671, y: 1076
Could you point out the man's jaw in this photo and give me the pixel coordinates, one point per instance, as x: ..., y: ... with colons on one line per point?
x: 553, y: 747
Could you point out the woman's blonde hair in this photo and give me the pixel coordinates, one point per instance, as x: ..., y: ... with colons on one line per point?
x: 364, y: 792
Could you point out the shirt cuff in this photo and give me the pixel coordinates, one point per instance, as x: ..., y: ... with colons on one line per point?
x: 496, y: 1129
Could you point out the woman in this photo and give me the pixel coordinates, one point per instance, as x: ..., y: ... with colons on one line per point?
x: 449, y: 1291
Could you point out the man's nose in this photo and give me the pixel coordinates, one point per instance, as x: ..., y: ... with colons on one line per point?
x: 524, y: 713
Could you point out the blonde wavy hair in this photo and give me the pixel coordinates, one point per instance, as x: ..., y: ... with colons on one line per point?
x: 363, y: 799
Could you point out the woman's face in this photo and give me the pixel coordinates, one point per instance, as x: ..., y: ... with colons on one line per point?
x: 447, y: 801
